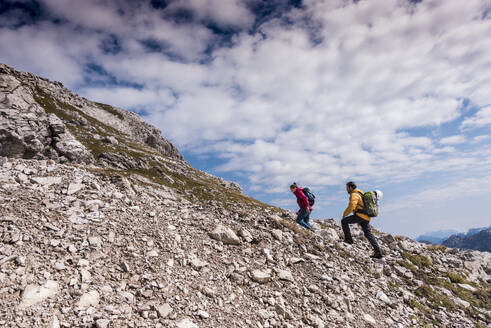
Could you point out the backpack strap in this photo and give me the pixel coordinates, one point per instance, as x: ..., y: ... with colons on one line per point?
x: 364, y: 206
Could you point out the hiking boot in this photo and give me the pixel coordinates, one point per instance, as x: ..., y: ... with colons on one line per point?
x: 376, y: 255
x: 348, y: 242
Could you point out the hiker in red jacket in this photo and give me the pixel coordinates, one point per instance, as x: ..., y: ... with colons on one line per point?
x: 303, y: 215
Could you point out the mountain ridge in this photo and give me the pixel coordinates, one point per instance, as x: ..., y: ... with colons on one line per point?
x: 480, y: 241
x: 435, y: 237
x: 472, y: 239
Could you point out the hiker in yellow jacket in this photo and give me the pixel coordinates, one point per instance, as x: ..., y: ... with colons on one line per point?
x: 355, y: 206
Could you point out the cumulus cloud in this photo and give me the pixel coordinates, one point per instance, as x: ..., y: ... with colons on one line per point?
x: 481, y: 119
x: 126, y: 97
x: 227, y: 13
x: 39, y: 49
x: 481, y: 138
x: 453, y: 140
x: 439, y: 195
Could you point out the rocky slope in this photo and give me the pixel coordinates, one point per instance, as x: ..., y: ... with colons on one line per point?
x: 127, y: 234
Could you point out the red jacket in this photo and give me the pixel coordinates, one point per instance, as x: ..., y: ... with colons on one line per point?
x: 302, y: 200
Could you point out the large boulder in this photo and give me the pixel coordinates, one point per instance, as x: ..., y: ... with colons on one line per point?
x: 225, y: 235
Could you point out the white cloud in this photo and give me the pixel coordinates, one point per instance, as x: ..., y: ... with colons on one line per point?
x: 444, y: 150
x: 481, y: 138
x: 438, y: 196
x: 228, y: 13
x: 453, y: 140
x: 126, y: 97
x: 40, y: 49
x: 87, y: 13
x: 481, y: 119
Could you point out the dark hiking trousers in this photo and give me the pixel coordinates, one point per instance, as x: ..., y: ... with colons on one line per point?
x: 303, y: 218
x: 365, y: 225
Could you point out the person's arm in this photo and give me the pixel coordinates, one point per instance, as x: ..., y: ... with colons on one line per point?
x: 351, y: 206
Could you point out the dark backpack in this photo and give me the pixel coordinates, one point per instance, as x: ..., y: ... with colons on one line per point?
x: 370, y: 203
x: 306, y: 191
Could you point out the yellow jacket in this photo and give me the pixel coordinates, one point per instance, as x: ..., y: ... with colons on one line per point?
x: 355, y: 204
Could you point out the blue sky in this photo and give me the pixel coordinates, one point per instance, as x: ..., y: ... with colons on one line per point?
x: 393, y: 94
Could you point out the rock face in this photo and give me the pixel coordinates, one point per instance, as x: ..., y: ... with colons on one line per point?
x: 40, y: 119
x: 156, y: 243
x: 43, y: 120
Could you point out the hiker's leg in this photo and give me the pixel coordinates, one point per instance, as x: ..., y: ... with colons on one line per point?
x: 307, y: 219
x: 301, y: 217
x: 345, y: 224
x: 365, y: 225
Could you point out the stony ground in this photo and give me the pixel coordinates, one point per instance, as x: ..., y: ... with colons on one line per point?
x: 84, y: 247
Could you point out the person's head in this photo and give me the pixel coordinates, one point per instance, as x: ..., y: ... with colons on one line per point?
x: 293, y: 187
x: 350, y: 186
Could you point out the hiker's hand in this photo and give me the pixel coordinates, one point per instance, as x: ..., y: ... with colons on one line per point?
x: 307, y: 209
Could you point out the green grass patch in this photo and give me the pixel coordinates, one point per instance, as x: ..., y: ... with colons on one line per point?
x: 416, y: 305
x: 408, y: 265
x: 62, y: 110
x: 434, y: 298
x: 436, y: 248
x: 111, y: 110
x: 456, y: 278
x: 426, y: 312
x: 301, y: 234
x: 480, y: 298
x: 420, y: 261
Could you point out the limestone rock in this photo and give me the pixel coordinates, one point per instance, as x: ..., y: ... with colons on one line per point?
x: 89, y: 299
x: 368, y: 318
x: 163, y: 310
x: 196, y: 263
x: 55, y: 322
x: 102, y: 323
x: 244, y: 233
x: 46, y: 181
x: 467, y: 287
x: 285, y: 275
x: 34, y: 294
x: 261, y: 276
x: 74, y: 188
x: 225, y: 235
x: 186, y: 323
x: 330, y: 234
x: 381, y: 296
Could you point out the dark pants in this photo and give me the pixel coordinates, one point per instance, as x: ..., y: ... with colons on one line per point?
x: 365, y: 225
x: 303, y: 218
